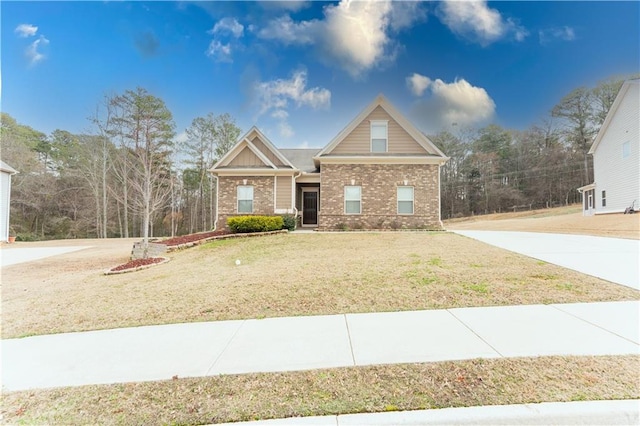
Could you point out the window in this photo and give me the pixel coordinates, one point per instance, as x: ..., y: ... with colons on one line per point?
x: 405, y: 200
x: 604, y: 198
x: 378, y: 136
x: 245, y: 199
x: 626, y: 149
x: 352, y: 196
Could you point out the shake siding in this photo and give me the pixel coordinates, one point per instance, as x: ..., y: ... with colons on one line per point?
x: 283, y: 192
x: 619, y: 177
x: 266, y: 151
x: 359, y: 140
x: 246, y: 158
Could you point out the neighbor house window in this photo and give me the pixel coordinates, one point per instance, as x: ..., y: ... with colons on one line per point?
x: 378, y: 136
x: 405, y: 200
x: 352, y: 197
x: 604, y: 198
x: 245, y: 199
x: 626, y: 149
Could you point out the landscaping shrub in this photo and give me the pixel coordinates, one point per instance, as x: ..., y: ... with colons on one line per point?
x: 289, y: 222
x: 242, y: 224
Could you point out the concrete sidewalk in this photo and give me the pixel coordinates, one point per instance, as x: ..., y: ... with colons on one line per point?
x: 620, y: 412
x: 302, y: 343
x: 612, y: 259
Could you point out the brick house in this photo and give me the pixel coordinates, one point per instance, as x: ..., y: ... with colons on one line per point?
x: 379, y: 172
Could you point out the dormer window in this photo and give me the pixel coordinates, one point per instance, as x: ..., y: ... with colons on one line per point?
x: 379, y: 136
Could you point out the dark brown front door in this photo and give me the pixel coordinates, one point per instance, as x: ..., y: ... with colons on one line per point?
x: 309, y: 208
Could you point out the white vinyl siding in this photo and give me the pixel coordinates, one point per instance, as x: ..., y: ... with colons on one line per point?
x: 614, y: 174
x: 379, y: 138
x: 352, y: 200
x: 245, y: 199
x: 405, y: 200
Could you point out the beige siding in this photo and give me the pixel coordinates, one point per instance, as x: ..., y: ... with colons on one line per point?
x: 266, y: 151
x: 283, y: 192
x: 246, y: 158
x: 359, y: 140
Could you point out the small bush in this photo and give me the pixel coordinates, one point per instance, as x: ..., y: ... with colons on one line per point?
x: 289, y: 222
x: 243, y: 224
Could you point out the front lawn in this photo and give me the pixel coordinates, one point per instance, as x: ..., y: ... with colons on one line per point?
x: 285, y: 275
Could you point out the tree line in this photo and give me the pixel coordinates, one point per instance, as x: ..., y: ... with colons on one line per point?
x: 129, y: 177
x: 494, y: 169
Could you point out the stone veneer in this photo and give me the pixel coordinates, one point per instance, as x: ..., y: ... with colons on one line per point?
x: 379, y: 196
x: 227, y: 197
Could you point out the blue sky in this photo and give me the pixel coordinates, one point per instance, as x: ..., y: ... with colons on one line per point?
x: 302, y: 70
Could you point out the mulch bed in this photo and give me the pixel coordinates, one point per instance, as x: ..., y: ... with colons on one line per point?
x: 136, y: 265
x: 184, y: 239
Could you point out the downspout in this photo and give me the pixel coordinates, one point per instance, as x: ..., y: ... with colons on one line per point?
x: 215, y: 223
x: 295, y: 192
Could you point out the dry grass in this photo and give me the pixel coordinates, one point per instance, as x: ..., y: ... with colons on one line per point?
x: 286, y: 275
x: 561, y: 220
x: 333, y: 391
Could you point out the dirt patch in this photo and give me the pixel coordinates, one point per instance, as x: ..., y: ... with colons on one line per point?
x: 233, y: 398
x: 284, y: 275
x: 559, y: 221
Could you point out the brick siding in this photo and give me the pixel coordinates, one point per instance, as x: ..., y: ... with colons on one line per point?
x: 379, y: 196
x: 228, y: 193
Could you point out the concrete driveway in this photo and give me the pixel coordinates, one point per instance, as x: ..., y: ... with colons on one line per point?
x: 612, y: 259
x: 13, y: 256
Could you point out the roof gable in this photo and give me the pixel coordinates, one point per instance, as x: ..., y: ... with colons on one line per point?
x: 265, y: 150
x: 382, y: 103
x: 626, y: 88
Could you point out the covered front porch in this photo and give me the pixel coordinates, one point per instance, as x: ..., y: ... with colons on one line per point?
x: 308, y: 204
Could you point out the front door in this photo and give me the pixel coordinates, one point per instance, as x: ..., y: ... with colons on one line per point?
x: 309, y: 208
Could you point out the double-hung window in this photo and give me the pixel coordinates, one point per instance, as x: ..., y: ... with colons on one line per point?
x: 405, y: 200
x: 379, y: 137
x: 245, y: 199
x: 352, y: 199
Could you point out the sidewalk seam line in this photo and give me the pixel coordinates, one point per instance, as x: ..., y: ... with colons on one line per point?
x: 474, y: 332
x: 215, y: 361
x: 346, y: 323
x: 593, y: 324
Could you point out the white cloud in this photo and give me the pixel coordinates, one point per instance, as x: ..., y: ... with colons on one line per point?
x: 275, y: 96
x: 562, y: 33
x: 228, y: 26
x: 418, y: 83
x: 182, y: 137
x: 219, y: 51
x: 355, y: 35
x: 26, y: 30
x: 478, y: 22
x: 457, y: 103
x: 285, y: 30
x: 33, y: 53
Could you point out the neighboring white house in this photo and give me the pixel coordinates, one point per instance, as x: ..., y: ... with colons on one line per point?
x: 616, y: 156
x: 5, y: 198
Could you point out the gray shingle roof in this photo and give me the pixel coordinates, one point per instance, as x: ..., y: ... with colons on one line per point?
x: 302, y: 158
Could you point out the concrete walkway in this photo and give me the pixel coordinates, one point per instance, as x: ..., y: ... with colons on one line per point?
x: 302, y: 343
x: 612, y: 259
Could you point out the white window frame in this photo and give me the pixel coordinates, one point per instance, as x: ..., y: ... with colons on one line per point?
x: 238, y: 199
x: 626, y: 149
x: 374, y: 123
x: 359, y: 200
x: 412, y: 200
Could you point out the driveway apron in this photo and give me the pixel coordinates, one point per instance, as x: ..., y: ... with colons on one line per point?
x: 612, y: 259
